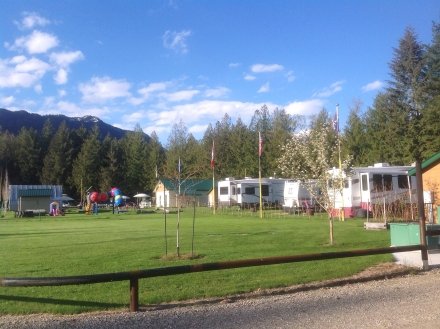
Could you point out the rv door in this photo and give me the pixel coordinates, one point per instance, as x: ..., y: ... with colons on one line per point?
x: 365, y: 191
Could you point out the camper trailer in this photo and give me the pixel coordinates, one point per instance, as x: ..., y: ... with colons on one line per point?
x: 246, y: 192
x: 376, y: 185
x: 296, y: 196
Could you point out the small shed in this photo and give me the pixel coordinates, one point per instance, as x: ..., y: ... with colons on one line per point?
x: 35, y: 199
x: 190, y: 190
x: 431, y: 184
x: 34, y: 193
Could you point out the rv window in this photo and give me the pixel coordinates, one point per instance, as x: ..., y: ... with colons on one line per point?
x: 265, y: 190
x: 238, y: 190
x: 377, y: 183
x: 233, y: 190
x: 346, y: 184
x: 249, y: 190
x: 388, y: 182
x: 402, y: 181
x: 290, y: 191
x: 224, y: 190
x: 364, y: 182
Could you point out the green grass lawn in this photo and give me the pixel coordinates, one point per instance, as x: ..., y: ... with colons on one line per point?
x: 79, y: 244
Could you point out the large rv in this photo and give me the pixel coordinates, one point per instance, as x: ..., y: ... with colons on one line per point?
x: 246, y: 192
x: 296, y: 196
x: 376, y: 185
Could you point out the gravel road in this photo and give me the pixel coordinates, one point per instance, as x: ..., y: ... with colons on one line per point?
x: 408, y: 301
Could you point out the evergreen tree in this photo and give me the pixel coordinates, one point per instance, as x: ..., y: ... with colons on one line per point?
x: 134, y: 161
x: 86, y: 166
x: 240, y: 150
x: 176, y: 147
x: 27, y: 154
x: 406, y: 92
x: 57, y: 161
x: 43, y: 142
x: 111, y: 172
x: 155, y: 161
x: 355, y: 140
x: 430, y: 138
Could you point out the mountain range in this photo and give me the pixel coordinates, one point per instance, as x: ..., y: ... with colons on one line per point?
x: 13, y: 121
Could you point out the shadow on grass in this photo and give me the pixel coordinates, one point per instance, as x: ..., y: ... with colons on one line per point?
x: 60, y: 301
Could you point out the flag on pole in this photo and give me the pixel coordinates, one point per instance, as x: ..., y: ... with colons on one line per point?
x: 157, y: 175
x: 260, y: 144
x: 212, y: 155
x: 180, y: 166
x: 335, y: 121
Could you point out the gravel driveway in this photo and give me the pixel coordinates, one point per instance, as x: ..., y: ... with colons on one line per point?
x: 406, y: 301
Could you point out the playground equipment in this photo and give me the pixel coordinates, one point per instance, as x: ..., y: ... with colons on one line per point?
x: 55, y: 210
x: 95, y: 198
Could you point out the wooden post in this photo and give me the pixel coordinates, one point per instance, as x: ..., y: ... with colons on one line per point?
x: 134, y: 294
x: 421, y: 213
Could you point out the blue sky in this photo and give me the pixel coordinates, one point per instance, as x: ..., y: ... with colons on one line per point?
x: 158, y: 62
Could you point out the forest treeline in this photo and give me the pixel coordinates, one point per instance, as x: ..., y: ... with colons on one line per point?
x: 402, y: 126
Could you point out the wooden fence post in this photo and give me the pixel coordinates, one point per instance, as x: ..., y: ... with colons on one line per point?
x: 134, y: 294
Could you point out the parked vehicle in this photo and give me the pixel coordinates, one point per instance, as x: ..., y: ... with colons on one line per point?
x: 380, y: 184
x: 296, y: 196
x: 246, y: 192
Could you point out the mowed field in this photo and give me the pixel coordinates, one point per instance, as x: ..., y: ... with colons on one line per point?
x: 79, y: 244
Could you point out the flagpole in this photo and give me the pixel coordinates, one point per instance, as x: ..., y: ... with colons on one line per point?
x: 178, y: 213
x: 342, y: 212
x: 260, y: 150
x: 213, y: 180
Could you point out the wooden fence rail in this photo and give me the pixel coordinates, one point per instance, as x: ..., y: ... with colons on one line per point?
x: 134, y: 276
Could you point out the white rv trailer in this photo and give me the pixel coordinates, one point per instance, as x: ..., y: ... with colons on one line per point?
x: 378, y: 184
x: 246, y: 192
x: 296, y: 196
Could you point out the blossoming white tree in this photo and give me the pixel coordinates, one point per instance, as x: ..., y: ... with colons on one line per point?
x: 309, y: 156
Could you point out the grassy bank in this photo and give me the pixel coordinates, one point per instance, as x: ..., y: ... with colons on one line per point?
x: 79, y: 244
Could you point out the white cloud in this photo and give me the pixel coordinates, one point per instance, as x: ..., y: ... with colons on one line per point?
x: 133, y: 117
x: 373, y: 86
x: 38, y: 88
x: 62, y: 93
x: 249, y: 77
x: 158, y: 129
x: 103, y: 89
x: 31, y: 65
x: 197, y: 128
x: 30, y: 20
x: 290, y: 77
x: 264, y: 88
x: 262, y: 68
x: 36, y: 43
x: 328, y: 91
x: 21, y: 72
x: 71, y: 109
x: 64, y: 59
x: 305, y: 107
x: 5, y: 101
x: 176, y: 40
x: 183, y: 95
x: 60, y: 77
x: 152, y: 88
x: 234, y: 64
x: 217, y: 92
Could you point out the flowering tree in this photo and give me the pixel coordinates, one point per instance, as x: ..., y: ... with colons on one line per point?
x: 309, y: 157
